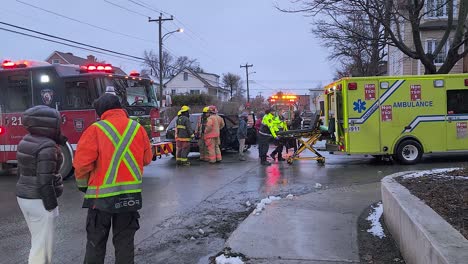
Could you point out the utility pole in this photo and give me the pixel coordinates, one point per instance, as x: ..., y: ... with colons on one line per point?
x: 160, y: 20
x: 247, y: 66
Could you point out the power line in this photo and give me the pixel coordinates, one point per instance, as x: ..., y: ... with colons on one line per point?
x: 72, y: 41
x: 63, y: 43
x: 82, y: 22
x: 125, y: 8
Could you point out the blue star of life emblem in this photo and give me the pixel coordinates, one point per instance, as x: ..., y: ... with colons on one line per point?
x: 359, y: 106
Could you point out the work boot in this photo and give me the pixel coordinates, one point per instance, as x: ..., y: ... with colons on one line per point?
x: 264, y: 162
x: 186, y: 163
x: 241, y: 158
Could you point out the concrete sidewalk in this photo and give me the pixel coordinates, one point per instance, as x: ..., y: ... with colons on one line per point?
x: 319, y: 227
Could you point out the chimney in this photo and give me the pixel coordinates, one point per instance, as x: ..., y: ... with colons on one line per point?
x: 91, y: 58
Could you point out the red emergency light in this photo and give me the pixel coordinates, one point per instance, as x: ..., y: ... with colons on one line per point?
x: 134, y: 74
x: 352, y: 86
x: 2, y: 130
x: 107, y: 68
x: 7, y: 64
x: 466, y: 82
x: 339, y: 87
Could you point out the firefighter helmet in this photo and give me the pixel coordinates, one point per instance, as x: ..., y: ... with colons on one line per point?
x: 184, y: 108
x: 206, y: 109
x: 212, y: 109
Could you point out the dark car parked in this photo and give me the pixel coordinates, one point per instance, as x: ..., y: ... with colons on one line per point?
x: 228, y: 133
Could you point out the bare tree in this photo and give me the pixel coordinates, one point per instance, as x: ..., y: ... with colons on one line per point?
x: 354, y: 39
x: 171, y: 66
x: 234, y: 83
x: 394, y: 16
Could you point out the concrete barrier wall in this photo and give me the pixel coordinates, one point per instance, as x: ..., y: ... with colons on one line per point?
x: 422, y: 235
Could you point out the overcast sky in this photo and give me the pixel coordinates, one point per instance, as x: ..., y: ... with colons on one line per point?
x: 221, y: 34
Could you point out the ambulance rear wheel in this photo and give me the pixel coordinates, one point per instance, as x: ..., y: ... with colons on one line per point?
x: 409, y: 152
x: 66, y: 170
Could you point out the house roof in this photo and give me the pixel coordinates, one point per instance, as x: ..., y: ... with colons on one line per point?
x: 198, y: 76
x: 72, y: 59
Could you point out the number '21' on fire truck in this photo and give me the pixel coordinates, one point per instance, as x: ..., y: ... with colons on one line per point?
x: 399, y: 116
x: 72, y: 90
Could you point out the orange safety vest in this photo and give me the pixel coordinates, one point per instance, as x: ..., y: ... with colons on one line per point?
x: 110, y: 156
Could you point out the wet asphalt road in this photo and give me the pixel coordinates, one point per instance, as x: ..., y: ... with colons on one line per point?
x: 177, y: 202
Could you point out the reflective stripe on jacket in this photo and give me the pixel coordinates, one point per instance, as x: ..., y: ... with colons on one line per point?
x: 268, y: 124
x: 183, y: 128
x: 212, y: 127
x: 110, y: 156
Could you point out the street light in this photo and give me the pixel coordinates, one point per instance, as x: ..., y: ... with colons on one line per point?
x: 161, y: 38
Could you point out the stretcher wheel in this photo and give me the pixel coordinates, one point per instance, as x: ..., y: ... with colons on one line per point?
x: 321, y: 161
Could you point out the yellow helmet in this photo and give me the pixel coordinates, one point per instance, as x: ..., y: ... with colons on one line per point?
x: 206, y: 109
x: 184, y: 108
x: 179, y: 113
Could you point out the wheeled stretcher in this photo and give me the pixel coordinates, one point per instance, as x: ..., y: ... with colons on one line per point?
x: 307, y: 139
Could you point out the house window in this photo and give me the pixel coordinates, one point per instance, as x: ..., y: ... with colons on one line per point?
x: 173, y: 92
x: 194, y: 91
x: 55, y: 61
x: 437, y: 8
x: 439, y: 58
x: 185, y: 76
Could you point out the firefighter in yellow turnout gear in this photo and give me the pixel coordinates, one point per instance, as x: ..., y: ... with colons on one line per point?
x: 183, y: 136
x: 200, y: 133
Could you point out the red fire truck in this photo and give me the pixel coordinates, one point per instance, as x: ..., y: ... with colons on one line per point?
x: 71, y: 89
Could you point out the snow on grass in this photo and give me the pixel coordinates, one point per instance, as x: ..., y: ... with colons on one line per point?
x: 318, y: 185
x: 222, y: 259
x: 261, y: 205
x: 376, y: 228
x: 428, y: 172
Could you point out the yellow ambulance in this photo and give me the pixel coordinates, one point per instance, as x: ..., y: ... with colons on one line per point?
x: 398, y: 116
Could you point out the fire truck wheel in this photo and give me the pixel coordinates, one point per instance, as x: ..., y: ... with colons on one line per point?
x: 409, y: 152
x: 66, y: 170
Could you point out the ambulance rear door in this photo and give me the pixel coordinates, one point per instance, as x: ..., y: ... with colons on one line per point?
x: 457, y: 114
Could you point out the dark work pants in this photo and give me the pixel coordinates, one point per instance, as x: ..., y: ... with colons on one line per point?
x: 263, y: 145
x: 278, y: 150
x: 124, y: 226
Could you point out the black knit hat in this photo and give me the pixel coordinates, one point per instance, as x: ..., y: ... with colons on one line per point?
x: 106, y: 102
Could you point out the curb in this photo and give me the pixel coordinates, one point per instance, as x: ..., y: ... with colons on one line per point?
x: 422, y: 235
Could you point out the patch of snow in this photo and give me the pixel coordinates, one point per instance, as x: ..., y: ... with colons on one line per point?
x: 228, y: 260
x: 261, y: 205
x: 290, y: 196
x: 318, y: 185
x: 192, y: 238
x: 426, y: 172
x: 248, y: 204
x: 201, y: 231
x: 376, y: 228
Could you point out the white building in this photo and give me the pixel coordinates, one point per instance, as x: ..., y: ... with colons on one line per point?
x: 190, y: 82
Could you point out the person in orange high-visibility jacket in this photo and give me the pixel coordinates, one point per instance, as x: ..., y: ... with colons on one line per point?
x: 221, y: 125
x: 211, y: 135
x: 108, y: 165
